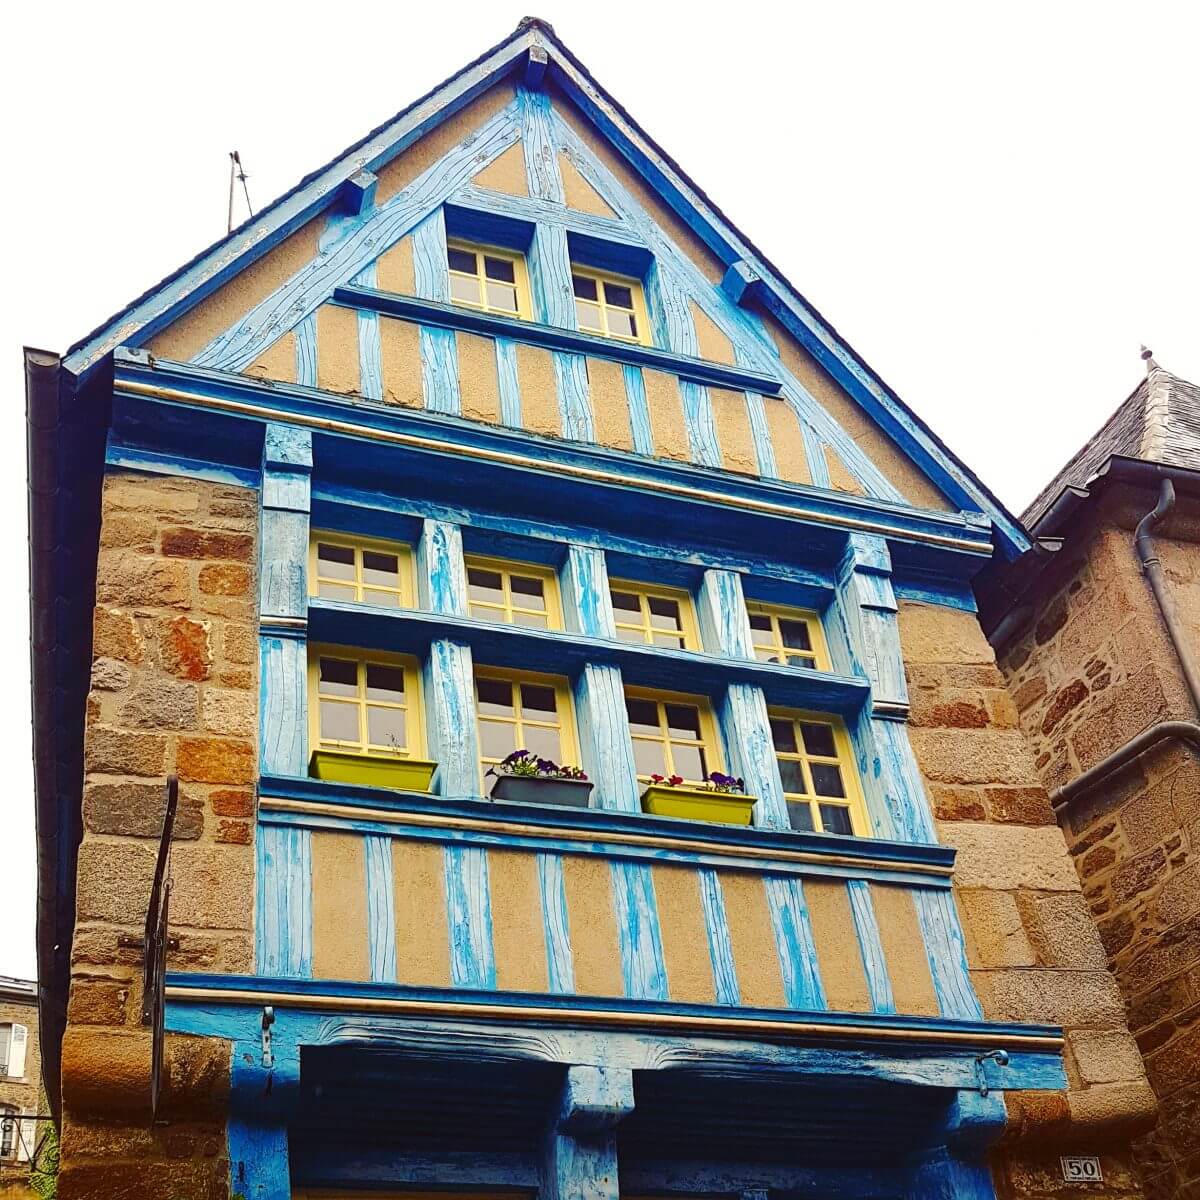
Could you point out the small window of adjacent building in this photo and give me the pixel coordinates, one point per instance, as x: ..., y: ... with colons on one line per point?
x: 360, y: 570
x: 610, y: 305
x: 488, y: 278
x: 13, y: 1042
x: 513, y: 593
x: 518, y: 711
x: 364, y: 703
x: 672, y: 735
x: 654, y: 616
x: 820, y: 782
x: 792, y: 636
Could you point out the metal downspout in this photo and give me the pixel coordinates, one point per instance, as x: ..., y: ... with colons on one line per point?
x: 42, y: 369
x: 1164, y: 731
x: 1152, y: 567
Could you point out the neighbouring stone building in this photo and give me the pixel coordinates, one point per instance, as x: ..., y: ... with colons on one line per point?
x: 494, y: 437
x: 1091, y: 665
x: 20, y: 1087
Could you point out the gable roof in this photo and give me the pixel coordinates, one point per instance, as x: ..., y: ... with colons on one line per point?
x: 534, y: 48
x: 1159, y: 421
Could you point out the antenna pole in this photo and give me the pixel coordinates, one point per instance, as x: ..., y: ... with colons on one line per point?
x: 232, y: 169
x: 237, y: 172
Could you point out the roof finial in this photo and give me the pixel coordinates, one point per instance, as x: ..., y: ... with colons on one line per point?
x: 1148, y: 359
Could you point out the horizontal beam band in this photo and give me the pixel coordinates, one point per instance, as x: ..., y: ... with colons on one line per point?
x: 607, y: 478
x: 666, y: 1022
x: 553, y: 337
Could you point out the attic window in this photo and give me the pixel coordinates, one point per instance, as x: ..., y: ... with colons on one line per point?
x: 610, y: 305
x: 488, y: 279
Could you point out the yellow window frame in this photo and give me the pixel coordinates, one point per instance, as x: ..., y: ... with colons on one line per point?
x: 709, y: 742
x: 506, y: 568
x: 844, y: 758
x: 637, y: 293
x: 520, y: 278
x: 773, y: 640
x: 405, y: 590
x: 567, y: 738
x: 413, y: 708
x: 645, y: 593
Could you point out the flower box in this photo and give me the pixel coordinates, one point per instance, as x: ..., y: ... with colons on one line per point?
x: 698, y: 804
x: 366, y: 770
x: 542, y: 789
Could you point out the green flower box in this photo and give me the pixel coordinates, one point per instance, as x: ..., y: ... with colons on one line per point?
x: 366, y: 770
x: 698, y: 804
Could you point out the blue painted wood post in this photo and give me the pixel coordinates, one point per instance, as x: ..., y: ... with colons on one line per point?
x: 959, y: 1169
x: 607, y: 752
x: 370, y: 349
x: 262, y: 1100
x: 604, y: 742
x: 945, y: 1176
x: 742, y: 711
x: 802, y: 987
x: 449, y: 680
x: 720, y: 944
x: 448, y: 671
x: 560, y: 962
x: 381, y: 908
x: 870, y: 945
x: 283, y: 600
x: 866, y: 616
x: 867, y: 607
x: 439, y: 347
x: 283, y: 892
x: 550, y: 261
x: 946, y: 949
x: 580, y: 1155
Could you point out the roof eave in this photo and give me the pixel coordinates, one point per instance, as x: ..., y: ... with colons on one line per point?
x: 211, y: 268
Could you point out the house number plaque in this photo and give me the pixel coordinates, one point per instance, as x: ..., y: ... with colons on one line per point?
x: 1080, y: 1168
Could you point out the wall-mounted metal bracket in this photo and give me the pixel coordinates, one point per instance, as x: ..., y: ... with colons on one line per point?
x: 268, y: 1019
x: 999, y: 1057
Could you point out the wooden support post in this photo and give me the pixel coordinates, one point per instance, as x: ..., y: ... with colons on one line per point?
x: 261, y: 1100
x: 283, y: 600
x: 580, y: 1161
x: 866, y: 613
x: 742, y: 712
x: 945, y: 1176
x: 448, y: 673
x: 604, y: 741
x: 439, y: 347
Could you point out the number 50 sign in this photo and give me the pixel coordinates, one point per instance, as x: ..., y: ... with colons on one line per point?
x: 1081, y: 1169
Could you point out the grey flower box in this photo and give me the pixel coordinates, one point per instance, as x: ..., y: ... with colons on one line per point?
x: 534, y: 789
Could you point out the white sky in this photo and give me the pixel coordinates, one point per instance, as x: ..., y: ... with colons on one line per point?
x: 995, y: 204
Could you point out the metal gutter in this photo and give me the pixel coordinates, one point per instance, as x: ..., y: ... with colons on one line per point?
x: 42, y: 372
x: 65, y: 456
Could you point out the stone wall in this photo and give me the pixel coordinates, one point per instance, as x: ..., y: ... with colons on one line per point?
x: 1094, y: 669
x: 23, y: 1095
x: 1032, y: 948
x: 174, y: 689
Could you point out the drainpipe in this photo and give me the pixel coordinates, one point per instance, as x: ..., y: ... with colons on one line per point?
x: 1158, y: 584
x: 1165, y: 731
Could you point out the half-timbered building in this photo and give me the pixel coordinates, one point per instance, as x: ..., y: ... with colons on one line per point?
x: 494, y: 445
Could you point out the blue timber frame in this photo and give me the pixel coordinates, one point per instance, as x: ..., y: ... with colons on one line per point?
x: 954, y: 1060
x: 343, y: 189
x: 325, y: 463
